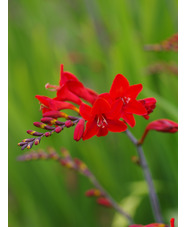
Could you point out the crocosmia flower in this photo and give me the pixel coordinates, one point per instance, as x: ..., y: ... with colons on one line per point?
x: 121, y: 90
x: 101, y: 118
x: 71, y: 89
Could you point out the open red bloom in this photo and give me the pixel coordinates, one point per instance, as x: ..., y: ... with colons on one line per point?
x: 49, y: 104
x: 71, y: 89
x: 101, y: 118
x: 121, y: 90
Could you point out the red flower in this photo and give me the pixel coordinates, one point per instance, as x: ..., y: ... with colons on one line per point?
x: 71, y: 89
x: 172, y: 222
x: 150, y: 225
x: 121, y: 90
x: 102, y: 117
x: 149, y: 104
x: 49, y: 104
x: 161, y: 125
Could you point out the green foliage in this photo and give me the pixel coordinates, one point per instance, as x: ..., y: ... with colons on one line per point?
x: 95, y: 40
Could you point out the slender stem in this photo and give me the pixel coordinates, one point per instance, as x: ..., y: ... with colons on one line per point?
x: 112, y: 201
x: 153, y: 196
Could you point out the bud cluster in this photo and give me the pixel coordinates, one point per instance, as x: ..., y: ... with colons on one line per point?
x: 46, y: 123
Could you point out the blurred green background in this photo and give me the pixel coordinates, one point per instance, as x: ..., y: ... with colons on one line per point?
x: 95, y: 40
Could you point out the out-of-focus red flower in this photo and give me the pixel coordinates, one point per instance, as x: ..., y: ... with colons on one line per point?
x: 49, y: 104
x: 149, y: 104
x: 150, y: 225
x: 161, y: 125
x: 104, y: 202
x: 172, y: 222
x: 71, y: 89
x: 102, y: 117
x: 121, y: 90
x: 79, y: 129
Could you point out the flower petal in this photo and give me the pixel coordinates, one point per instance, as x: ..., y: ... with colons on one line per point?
x: 116, y: 108
x: 129, y: 118
x: 102, y: 132
x: 81, y: 91
x: 66, y: 76
x: 119, y: 86
x: 116, y: 126
x: 100, y: 106
x: 85, y: 111
x: 64, y: 94
x: 91, y: 129
x: 134, y: 90
x: 53, y: 104
x: 135, y: 107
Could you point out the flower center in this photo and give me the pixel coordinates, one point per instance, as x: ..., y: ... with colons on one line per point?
x: 125, y: 100
x: 101, y: 121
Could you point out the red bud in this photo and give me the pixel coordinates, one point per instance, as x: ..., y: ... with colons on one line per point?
x: 93, y: 192
x: 149, y: 104
x: 104, y: 202
x: 161, y: 125
x: 79, y: 129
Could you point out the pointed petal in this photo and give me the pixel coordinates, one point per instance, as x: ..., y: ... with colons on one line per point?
x: 134, y: 90
x: 135, y: 107
x: 107, y: 97
x: 119, y: 86
x: 91, y: 129
x: 102, y: 132
x: 116, y: 108
x: 53, y: 104
x: 100, y: 106
x: 81, y: 91
x: 64, y: 94
x: 129, y: 118
x: 116, y: 126
x: 66, y: 76
x: 85, y: 111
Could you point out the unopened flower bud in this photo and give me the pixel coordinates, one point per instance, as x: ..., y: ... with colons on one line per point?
x: 79, y: 129
x: 69, y: 123
x: 58, y: 129
x: 34, y: 133
x: 161, y: 125
x: 104, y: 202
x: 93, y: 192
x: 149, y: 104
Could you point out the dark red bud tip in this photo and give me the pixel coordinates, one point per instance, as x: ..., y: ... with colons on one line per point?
x: 93, y: 192
x: 79, y: 129
x: 21, y: 144
x: 104, y: 202
x: 39, y: 124
x: 69, y: 123
x: 34, y: 133
x: 48, y: 120
x: 58, y: 129
x: 37, y: 141
x: 55, y: 114
x: 47, y: 134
